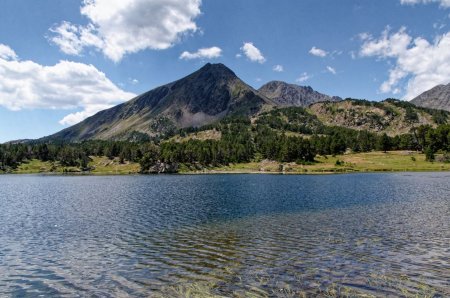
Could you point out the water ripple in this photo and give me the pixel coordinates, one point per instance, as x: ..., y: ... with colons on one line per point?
x: 232, y: 236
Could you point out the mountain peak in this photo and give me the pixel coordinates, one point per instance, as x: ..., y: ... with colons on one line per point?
x: 215, y: 65
x: 216, y: 69
x: 203, y: 97
x: 286, y: 94
x: 437, y: 97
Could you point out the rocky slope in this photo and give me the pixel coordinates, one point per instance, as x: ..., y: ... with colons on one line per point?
x: 435, y: 98
x: 284, y: 94
x: 205, y: 96
x: 392, y: 117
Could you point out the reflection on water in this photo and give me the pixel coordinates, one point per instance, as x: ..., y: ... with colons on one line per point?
x: 237, y: 235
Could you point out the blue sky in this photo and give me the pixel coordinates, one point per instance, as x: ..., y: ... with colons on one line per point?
x: 61, y: 61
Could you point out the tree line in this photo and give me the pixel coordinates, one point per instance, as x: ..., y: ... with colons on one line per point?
x: 241, y: 141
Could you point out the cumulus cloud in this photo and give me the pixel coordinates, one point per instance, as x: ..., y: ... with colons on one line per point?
x: 120, y: 27
x: 252, y: 53
x: 421, y: 63
x: 442, y: 3
x: 388, y: 45
x: 88, y: 111
x: 65, y: 85
x: 303, y: 77
x: 204, y: 53
x: 318, y: 52
x: 278, y: 68
x: 331, y: 70
x: 7, y: 53
x: 72, y: 39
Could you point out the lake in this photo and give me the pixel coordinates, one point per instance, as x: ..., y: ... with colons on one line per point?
x: 225, y: 235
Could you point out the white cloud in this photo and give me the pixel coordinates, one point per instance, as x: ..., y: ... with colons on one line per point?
x: 72, y: 39
x: 364, y: 36
x: 65, y: 85
x: 303, y: 77
x: 423, y: 64
x: 252, y: 53
x: 7, y: 53
x: 120, y: 27
x: 388, y: 45
x: 318, y: 52
x: 331, y: 70
x: 88, y: 111
x: 204, y: 53
x: 278, y: 68
x: 238, y: 55
x: 442, y: 3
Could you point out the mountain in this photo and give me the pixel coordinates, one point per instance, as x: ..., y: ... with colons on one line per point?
x: 201, y: 98
x: 391, y: 116
x: 214, y: 92
x: 284, y: 94
x: 435, y: 98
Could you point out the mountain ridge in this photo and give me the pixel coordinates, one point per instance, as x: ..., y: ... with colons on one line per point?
x: 214, y: 92
x: 285, y: 94
x: 200, y: 98
x: 437, y: 97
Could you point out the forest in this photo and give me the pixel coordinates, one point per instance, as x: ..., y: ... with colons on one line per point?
x: 298, y: 138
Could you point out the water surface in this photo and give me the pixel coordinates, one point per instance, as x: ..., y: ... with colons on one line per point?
x: 225, y: 235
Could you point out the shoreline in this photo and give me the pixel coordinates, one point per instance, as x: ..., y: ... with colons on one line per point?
x: 368, y: 162
x: 217, y: 172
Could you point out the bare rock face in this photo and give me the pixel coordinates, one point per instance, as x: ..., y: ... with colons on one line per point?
x: 163, y: 168
x: 284, y: 94
x: 435, y: 98
x: 389, y: 116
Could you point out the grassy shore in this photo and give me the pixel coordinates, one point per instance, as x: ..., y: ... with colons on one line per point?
x: 98, y: 165
x: 392, y: 161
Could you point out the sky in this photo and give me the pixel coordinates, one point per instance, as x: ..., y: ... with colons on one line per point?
x: 62, y: 61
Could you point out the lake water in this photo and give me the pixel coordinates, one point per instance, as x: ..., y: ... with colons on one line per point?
x: 225, y: 235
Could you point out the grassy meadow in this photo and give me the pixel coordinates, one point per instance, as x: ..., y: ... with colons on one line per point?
x: 391, y: 161
x: 98, y: 165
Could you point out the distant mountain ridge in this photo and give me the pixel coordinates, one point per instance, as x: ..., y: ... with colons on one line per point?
x: 284, y: 94
x: 435, y: 98
x: 390, y: 116
x: 214, y: 92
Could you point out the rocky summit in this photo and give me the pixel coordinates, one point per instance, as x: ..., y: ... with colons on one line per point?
x: 435, y: 98
x: 284, y: 94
